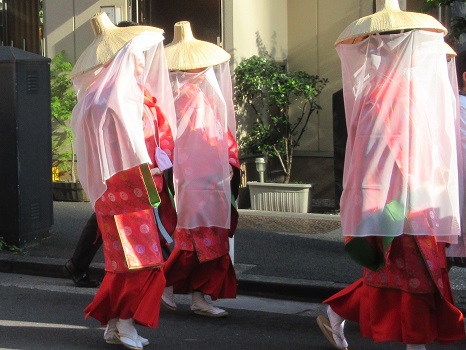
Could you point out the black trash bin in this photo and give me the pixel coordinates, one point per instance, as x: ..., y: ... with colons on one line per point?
x: 26, y: 202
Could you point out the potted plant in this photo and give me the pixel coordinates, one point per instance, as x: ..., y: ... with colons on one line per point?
x: 281, y: 104
x: 66, y: 187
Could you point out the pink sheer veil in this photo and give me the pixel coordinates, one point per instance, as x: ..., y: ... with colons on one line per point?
x: 107, y: 120
x: 401, y: 168
x: 201, y: 168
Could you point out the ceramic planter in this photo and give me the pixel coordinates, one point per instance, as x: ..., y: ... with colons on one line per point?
x: 69, y: 192
x: 294, y: 198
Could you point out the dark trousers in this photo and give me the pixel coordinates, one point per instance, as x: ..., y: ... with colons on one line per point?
x: 88, y: 244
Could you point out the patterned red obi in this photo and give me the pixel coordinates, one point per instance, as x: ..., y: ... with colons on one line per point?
x: 127, y: 224
x: 414, y: 264
x: 209, y: 242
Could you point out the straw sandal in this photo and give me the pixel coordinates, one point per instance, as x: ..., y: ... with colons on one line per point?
x: 128, y: 341
x: 113, y: 339
x: 210, y: 311
x: 201, y: 307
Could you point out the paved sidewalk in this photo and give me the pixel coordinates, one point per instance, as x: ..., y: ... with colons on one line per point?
x: 279, y: 255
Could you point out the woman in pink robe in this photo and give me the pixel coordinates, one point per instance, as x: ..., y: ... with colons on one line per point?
x: 400, y: 202
x: 206, y: 173
x: 124, y: 142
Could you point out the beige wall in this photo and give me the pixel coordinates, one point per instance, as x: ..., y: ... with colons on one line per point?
x: 313, y: 27
x: 66, y: 24
x: 302, y: 32
x: 245, y: 18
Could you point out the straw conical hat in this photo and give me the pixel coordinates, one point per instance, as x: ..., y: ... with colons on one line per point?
x: 450, y: 52
x: 389, y: 18
x: 185, y: 52
x: 109, y: 39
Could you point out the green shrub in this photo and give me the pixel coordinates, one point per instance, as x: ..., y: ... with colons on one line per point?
x: 266, y: 92
x: 63, y: 100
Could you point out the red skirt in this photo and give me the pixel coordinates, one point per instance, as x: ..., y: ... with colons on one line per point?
x: 134, y: 294
x: 216, y: 278
x: 388, y: 314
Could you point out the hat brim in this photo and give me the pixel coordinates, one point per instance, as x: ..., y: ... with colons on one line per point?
x: 450, y: 52
x: 104, y: 47
x: 192, y: 54
x: 387, y: 21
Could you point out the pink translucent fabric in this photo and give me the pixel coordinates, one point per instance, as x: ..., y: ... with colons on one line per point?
x: 459, y: 250
x: 201, y: 168
x: 401, y: 166
x: 107, y: 120
x: 223, y: 75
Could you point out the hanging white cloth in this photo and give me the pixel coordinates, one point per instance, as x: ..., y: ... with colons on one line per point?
x: 401, y: 166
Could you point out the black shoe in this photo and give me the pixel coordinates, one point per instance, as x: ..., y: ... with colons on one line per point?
x: 80, y: 279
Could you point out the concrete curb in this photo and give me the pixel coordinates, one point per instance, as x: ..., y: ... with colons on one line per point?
x: 265, y: 286
x: 253, y: 285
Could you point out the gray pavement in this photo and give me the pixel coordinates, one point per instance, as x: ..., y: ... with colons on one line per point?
x: 278, y: 255
x: 44, y: 313
x: 286, y: 265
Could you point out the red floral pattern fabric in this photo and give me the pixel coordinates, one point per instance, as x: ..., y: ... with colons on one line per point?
x: 124, y: 201
x: 412, y: 264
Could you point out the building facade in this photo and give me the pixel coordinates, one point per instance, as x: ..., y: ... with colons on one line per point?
x: 301, y: 33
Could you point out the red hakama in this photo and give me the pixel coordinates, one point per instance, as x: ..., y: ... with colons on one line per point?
x: 208, y: 268
x: 134, y: 279
x: 402, y: 301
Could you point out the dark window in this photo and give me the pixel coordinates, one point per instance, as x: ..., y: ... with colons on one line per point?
x: 20, y: 25
x: 204, y: 16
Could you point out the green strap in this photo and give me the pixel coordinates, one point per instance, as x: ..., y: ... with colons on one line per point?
x: 152, y: 192
x: 233, y: 202
x: 362, y: 252
x: 391, y: 222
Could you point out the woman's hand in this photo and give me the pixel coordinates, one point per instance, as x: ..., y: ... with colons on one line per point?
x: 156, y: 171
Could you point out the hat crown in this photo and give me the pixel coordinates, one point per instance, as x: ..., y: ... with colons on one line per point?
x: 388, y: 5
x: 182, y: 32
x: 100, y: 23
x: 389, y: 19
x: 186, y: 52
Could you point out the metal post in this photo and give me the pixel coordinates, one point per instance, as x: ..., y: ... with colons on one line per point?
x: 260, y: 167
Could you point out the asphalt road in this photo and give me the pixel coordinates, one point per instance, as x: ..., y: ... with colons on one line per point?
x: 46, y: 313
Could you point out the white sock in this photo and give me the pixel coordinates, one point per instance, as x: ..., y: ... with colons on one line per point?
x: 111, y: 325
x: 127, y: 327
x: 338, y: 325
x: 198, y: 299
x: 415, y: 347
x: 110, y: 329
x: 168, y: 296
